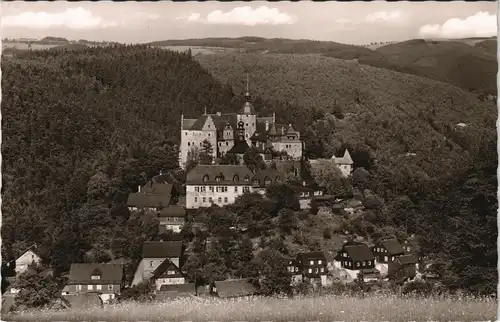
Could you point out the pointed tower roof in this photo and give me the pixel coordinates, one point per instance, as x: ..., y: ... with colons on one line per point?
x: 272, y: 130
x: 247, y: 107
x: 345, y: 159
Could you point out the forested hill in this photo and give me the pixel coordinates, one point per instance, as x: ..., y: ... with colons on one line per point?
x: 400, y: 120
x: 81, y: 129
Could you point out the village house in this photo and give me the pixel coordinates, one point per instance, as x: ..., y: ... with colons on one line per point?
x: 402, y: 268
x: 151, y: 197
x: 294, y: 271
x: 412, y: 246
x: 355, y: 258
x: 154, y: 253
x: 106, y: 280
x: 227, y: 130
x: 385, y: 251
x: 305, y: 192
x: 343, y: 163
x: 313, y: 267
x: 29, y: 257
x: 233, y: 288
x: 167, y: 274
x: 172, y: 218
x: 216, y: 184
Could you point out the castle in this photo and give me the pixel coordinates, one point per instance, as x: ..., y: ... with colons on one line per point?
x: 237, y: 132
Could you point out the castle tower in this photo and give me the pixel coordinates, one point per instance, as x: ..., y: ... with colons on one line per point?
x: 247, y: 115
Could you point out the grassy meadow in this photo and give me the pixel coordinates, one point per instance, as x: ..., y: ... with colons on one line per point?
x: 322, y: 308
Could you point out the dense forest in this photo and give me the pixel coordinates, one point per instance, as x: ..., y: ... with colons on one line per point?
x: 470, y: 66
x: 82, y: 129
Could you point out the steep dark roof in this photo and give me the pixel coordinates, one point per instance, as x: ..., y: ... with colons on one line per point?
x: 166, y: 249
x: 229, y: 172
x: 359, y: 252
x: 392, y: 246
x: 407, y: 259
x: 173, y: 211
x: 187, y: 124
x: 148, y: 200
x: 81, y: 273
x: 200, y: 122
x: 272, y: 174
x: 234, y: 288
x: 311, y: 256
x: 167, y: 265
x: 240, y: 147
x: 157, y: 188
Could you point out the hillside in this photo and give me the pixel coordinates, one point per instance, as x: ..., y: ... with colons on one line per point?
x: 468, y: 63
x: 81, y: 129
x: 386, y: 113
x: 470, y: 67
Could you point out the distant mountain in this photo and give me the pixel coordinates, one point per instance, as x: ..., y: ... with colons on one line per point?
x: 471, y: 67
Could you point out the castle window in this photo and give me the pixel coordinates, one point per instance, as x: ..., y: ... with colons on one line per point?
x: 236, y: 178
x: 205, y: 178
x: 189, y: 143
x: 225, y: 199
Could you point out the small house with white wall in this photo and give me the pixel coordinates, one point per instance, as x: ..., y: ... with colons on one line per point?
x: 154, y: 254
x: 29, y: 257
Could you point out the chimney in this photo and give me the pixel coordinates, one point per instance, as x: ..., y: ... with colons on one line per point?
x: 267, y: 126
x: 139, y: 188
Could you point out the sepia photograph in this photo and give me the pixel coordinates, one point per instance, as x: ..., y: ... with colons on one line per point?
x: 249, y: 161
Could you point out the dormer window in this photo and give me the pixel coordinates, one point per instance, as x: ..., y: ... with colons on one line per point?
x: 217, y: 179
x: 96, y: 274
x: 256, y: 182
x: 205, y: 178
x: 247, y: 178
x: 236, y: 178
x: 267, y: 180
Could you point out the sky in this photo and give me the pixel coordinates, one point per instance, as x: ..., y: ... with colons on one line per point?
x: 344, y: 22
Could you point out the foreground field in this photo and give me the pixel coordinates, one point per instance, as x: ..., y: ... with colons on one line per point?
x: 326, y: 308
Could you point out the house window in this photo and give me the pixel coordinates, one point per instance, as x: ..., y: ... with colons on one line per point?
x: 95, y: 277
x: 227, y: 143
x: 151, y: 263
x: 310, y: 270
x: 386, y: 258
x: 311, y: 262
x: 247, y: 178
x: 90, y: 287
x: 316, y: 270
x: 320, y: 262
x: 322, y: 269
x: 189, y: 143
x: 246, y: 189
x: 296, y: 269
x: 195, y: 199
x: 357, y: 264
x: 235, y: 189
x: 225, y: 199
x: 205, y: 178
x: 225, y: 189
x: 236, y: 178
x: 78, y: 287
x: 211, y: 189
x: 170, y: 272
x: 110, y: 287
x: 220, y: 199
x: 204, y: 199
x: 210, y: 199
x: 98, y: 287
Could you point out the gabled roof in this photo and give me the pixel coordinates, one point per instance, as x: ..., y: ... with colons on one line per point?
x: 81, y: 273
x: 240, y: 147
x: 200, y: 122
x: 173, y: 211
x: 166, y: 249
x: 407, y: 259
x: 187, y: 124
x: 148, y: 200
x: 359, y: 252
x: 157, y: 188
x: 232, y: 175
x: 345, y: 159
x: 165, y: 266
x: 392, y: 246
x: 234, y: 288
x: 308, y: 256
